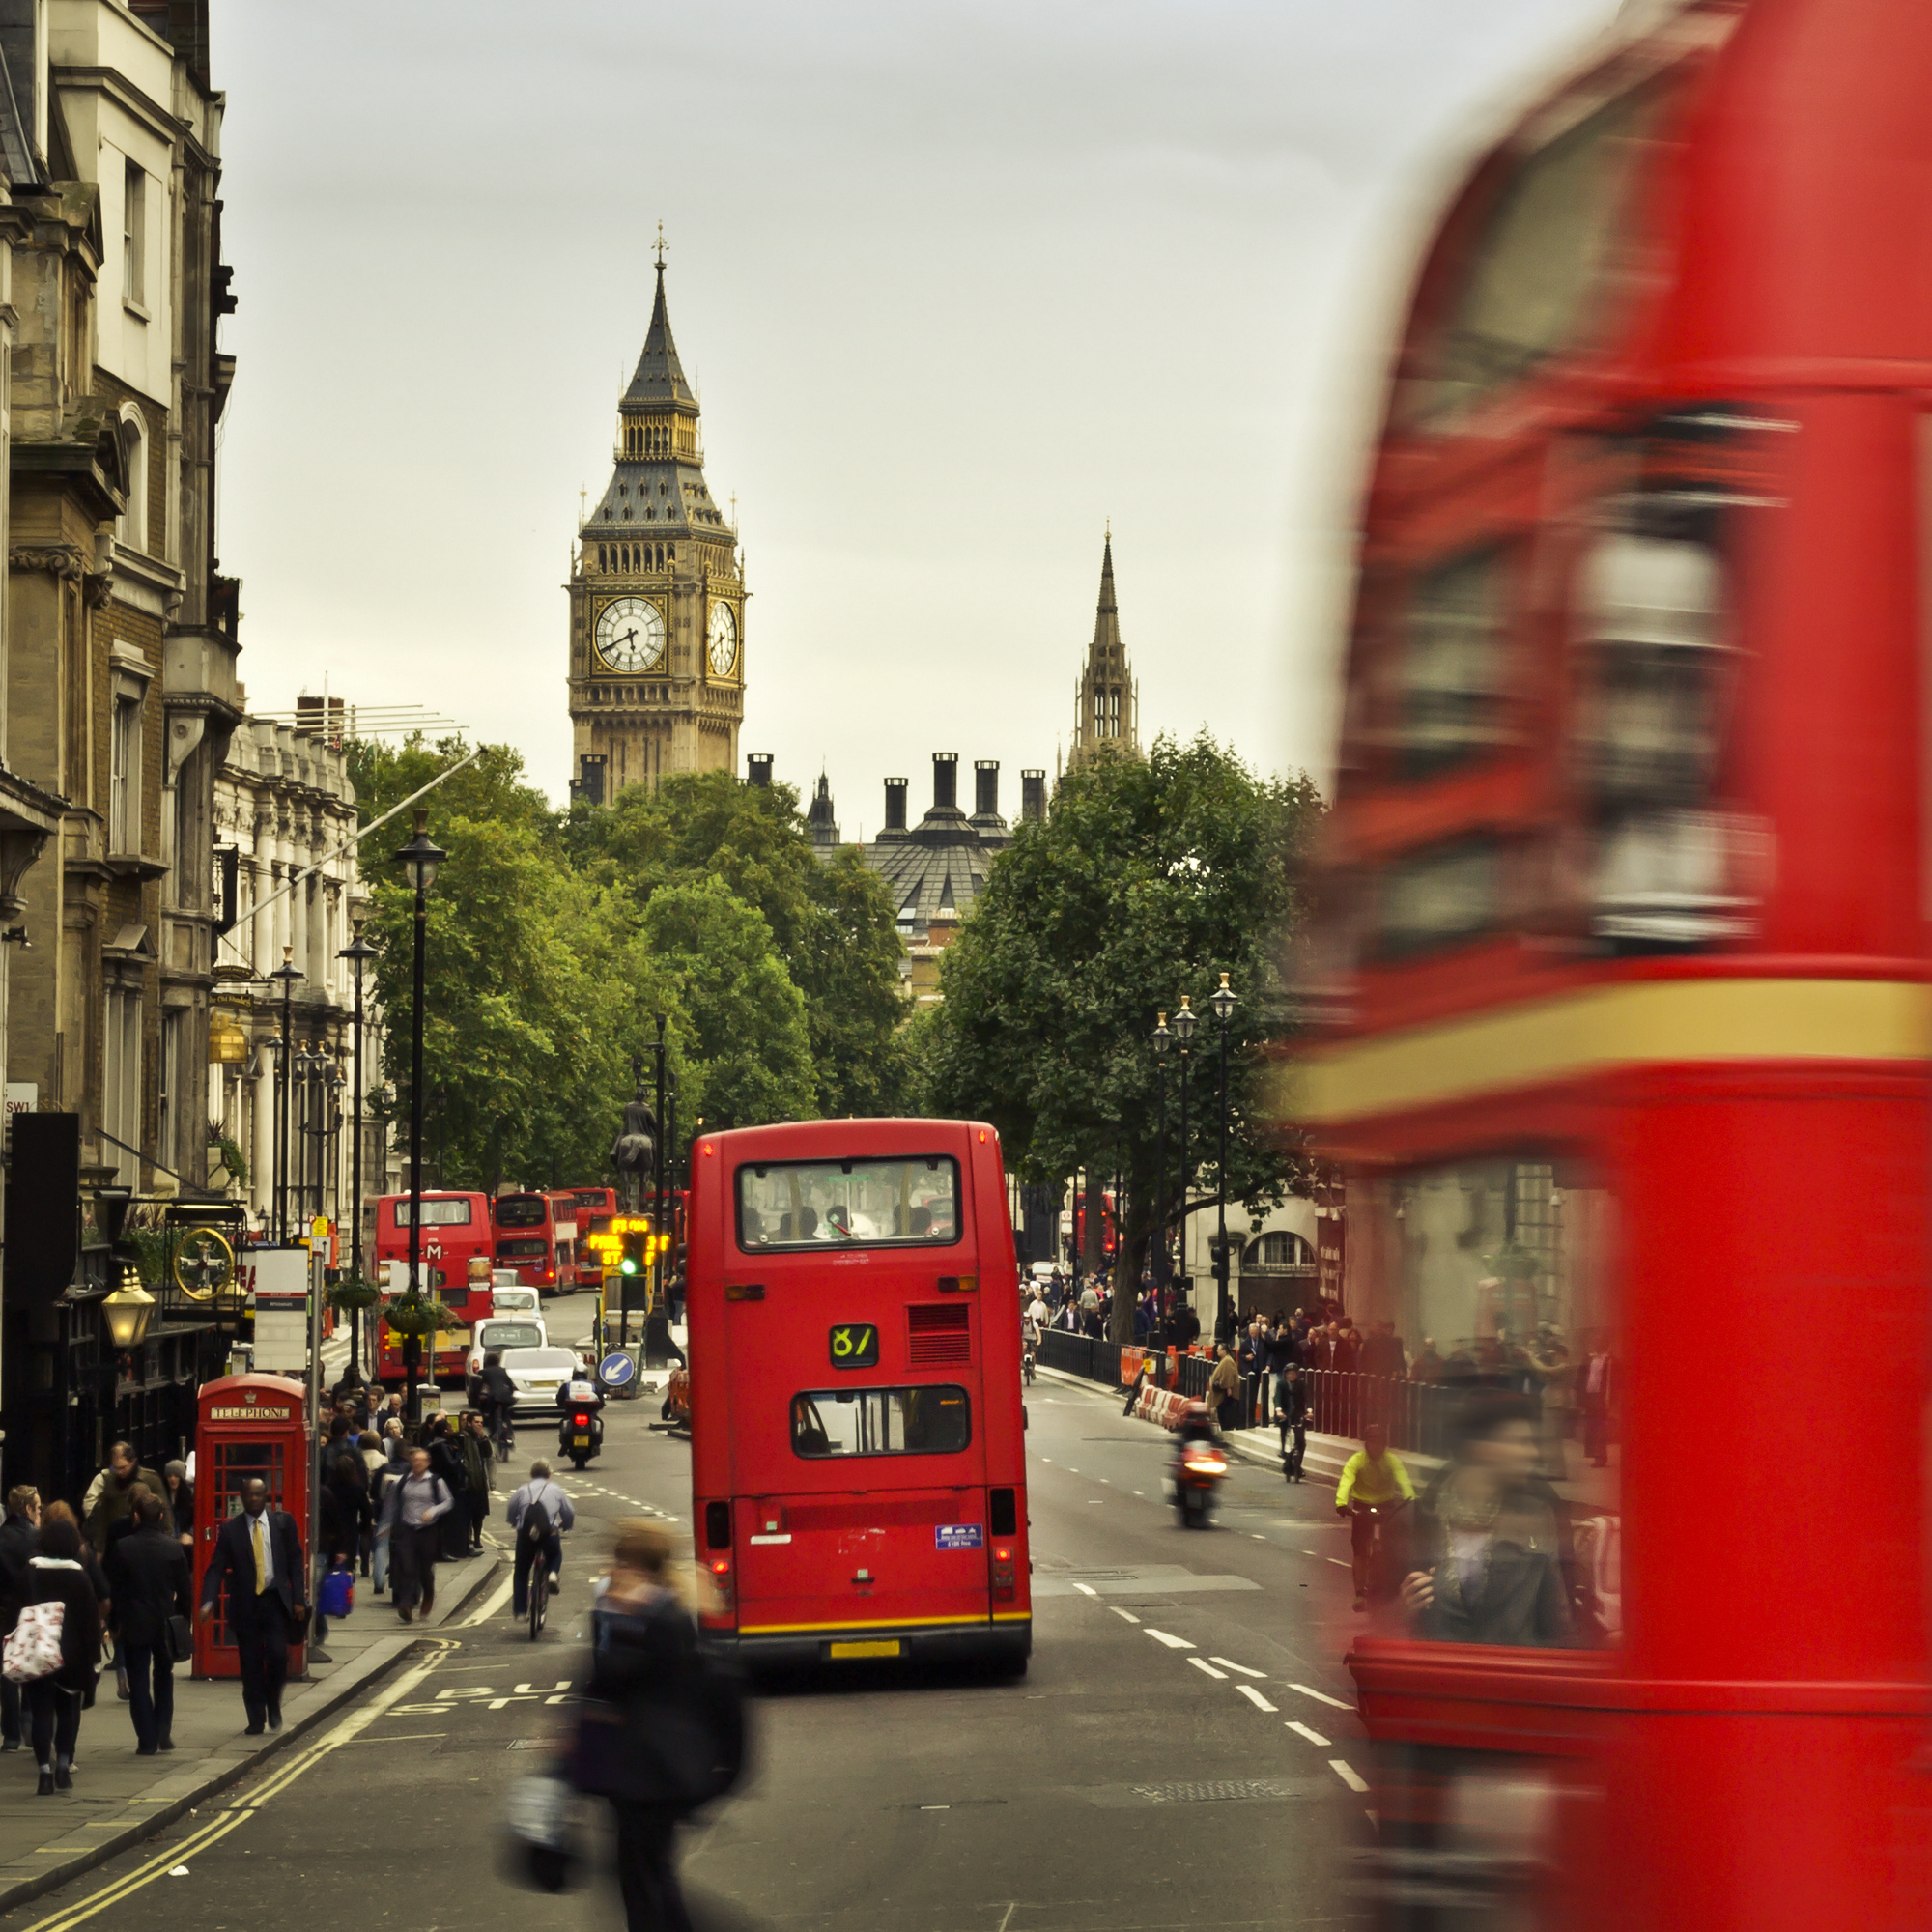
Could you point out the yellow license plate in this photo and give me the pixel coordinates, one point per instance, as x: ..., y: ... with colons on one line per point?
x: 881, y: 1647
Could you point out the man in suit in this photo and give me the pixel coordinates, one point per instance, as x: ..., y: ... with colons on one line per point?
x: 258, y: 1555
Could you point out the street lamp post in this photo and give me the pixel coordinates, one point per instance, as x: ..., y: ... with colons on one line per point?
x: 422, y: 857
x: 287, y: 974
x: 1163, y: 1038
x: 1222, y: 1000
x: 1185, y: 1023
x: 358, y: 952
x: 657, y: 1326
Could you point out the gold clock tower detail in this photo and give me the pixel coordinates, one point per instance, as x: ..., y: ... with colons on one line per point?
x: 657, y: 597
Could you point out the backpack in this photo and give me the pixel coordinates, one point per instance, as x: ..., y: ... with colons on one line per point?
x: 33, y: 1648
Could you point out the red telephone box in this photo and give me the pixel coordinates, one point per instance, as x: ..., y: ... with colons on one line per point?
x: 248, y: 1425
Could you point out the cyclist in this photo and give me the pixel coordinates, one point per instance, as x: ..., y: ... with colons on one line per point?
x: 1374, y: 1485
x: 538, y: 1513
x: 497, y: 1396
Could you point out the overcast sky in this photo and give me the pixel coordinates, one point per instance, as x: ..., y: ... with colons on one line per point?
x: 956, y: 283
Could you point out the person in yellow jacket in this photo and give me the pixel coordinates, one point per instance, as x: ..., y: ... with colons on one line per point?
x: 1373, y: 1487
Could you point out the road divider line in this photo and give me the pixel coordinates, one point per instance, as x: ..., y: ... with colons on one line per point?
x: 1347, y: 1774
x: 1171, y: 1642
x: 1313, y: 1737
x: 1119, y: 1612
x: 1254, y: 1697
x: 1241, y: 1670
x: 1202, y: 1664
x: 1346, y: 1565
x: 1087, y: 1589
x: 1321, y: 1696
x: 495, y: 1603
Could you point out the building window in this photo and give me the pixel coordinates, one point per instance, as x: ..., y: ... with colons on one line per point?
x: 168, y: 1088
x: 121, y: 1081
x: 123, y: 793
x: 134, y: 235
x: 132, y: 526
x: 1279, y: 1249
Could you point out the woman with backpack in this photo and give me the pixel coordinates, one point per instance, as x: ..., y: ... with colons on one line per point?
x: 60, y: 1606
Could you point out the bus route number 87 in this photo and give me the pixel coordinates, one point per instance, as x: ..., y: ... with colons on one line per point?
x: 855, y: 1345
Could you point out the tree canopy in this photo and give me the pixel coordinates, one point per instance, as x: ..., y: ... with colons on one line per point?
x: 1147, y: 880
x: 553, y: 940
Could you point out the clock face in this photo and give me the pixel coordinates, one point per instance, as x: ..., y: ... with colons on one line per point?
x: 631, y: 635
x: 723, y: 639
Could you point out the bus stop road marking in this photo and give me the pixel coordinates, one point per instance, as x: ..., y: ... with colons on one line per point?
x: 1313, y: 1737
x: 1087, y: 1589
x: 1321, y: 1696
x: 1171, y: 1642
x: 1119, y: 1612
x: 1254, y: 1697
x: 1226, y: 1664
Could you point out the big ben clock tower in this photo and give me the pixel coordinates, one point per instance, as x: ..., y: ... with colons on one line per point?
x: 657, y: 596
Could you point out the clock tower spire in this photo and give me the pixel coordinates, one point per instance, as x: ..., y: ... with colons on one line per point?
x: 657, y: 595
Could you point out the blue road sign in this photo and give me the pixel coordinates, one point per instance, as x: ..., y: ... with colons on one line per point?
x: 615, y: 1370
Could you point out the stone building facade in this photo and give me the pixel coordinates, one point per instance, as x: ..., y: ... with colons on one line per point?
x: 283, y: 802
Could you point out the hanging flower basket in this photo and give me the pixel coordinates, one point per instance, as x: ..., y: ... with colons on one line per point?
x: 415, y: 1316
x: 353, y: 1295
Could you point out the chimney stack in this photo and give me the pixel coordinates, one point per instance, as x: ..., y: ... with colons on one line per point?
x: 896, y: 803
x: 986, y: 787
x: 759, y: 768
x: 1032, y: 795
x: 946, y: 781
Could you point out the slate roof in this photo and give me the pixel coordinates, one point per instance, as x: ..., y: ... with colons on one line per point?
x: 942, y: 862
x: 660, y: 379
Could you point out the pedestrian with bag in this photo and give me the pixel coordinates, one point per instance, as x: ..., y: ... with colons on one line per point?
x: 19, y: 1541
x: 258, y: 1557
x: 446, y: 1461
x: 660, y: 1726
x: 1224, y: 1389
x: 154, y: 1599
x: 54, y: 1652
x: 537, y: 1515
x: 414, y: 1507
x: 472, y: 1446
x: 110, y: 1496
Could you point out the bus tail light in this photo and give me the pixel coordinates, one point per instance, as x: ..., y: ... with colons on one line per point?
x: 1003, y: 1587
x: 720, y: 1568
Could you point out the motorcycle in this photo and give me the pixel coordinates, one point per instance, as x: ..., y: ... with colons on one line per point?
x: 581, y: 1433
x: 1198, y: 1470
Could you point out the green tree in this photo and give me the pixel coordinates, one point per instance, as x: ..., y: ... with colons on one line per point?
x: 751, y: 1052
x: 1147, y: 880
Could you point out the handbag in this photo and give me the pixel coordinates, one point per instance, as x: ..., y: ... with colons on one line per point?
x: 540, y: 1813
x: 178, y: 1640
x: 33, y: 1647
x: 338, y: 1593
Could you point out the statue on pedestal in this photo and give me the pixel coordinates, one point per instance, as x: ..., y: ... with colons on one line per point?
x: 635, y: 1151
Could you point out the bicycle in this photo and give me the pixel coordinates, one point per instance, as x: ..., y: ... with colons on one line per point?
x: 504, y: 1432
x: 539, y: 1594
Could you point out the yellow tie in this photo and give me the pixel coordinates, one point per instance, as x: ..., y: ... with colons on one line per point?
x: 261, y: 1567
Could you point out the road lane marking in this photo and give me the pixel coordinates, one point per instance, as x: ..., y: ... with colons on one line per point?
x: 1137, y: 1493
x: 1119, y: 1612
x: 496, y: 1602
x: 1347, y: 1774
x: 1087, y: 1589
x: 1254, y: 1697
x: 1321, y: 1696
x: 1344, y: 1565
x: 1201, y: 1663
x: 1258, y: 1536
x: 1313, y: 1737
x: 1311, y: 1553
x: 1171, y: 1642
x: 1229, y: 1663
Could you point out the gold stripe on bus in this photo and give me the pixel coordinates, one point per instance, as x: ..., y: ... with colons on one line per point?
x: 1603, y: 1028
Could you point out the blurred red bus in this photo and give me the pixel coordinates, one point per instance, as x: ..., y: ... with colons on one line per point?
x: 855, y: 1384
x: 531, y: 1238
x: 456, y: 1229
x: 1625, y: 931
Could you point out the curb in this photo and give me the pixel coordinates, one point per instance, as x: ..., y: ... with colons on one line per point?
x: 218, y: 1771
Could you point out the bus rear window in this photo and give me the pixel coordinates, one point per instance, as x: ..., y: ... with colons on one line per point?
x: 520, y: 1251
x: 859, y: 1204
x: 436, y: 1214
x: 522, y: 1210
x: 934, y: 1419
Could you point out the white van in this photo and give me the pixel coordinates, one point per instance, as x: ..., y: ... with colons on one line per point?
x: 505, y: 1331
x: 513, y: 1301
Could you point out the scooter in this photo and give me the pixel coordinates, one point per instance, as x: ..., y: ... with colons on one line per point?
x: 1198, y: 1470
x: 581, y: 1433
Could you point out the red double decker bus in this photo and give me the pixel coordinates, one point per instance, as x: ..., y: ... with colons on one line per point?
x: 592, y: 1209
x: 855, y: 1371
x: 536, y: 1238
x: 456, y: 1231
x: 1627, y: 968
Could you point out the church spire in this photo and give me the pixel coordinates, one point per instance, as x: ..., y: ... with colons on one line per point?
x: 660, y: 377
x: 1107, y: 705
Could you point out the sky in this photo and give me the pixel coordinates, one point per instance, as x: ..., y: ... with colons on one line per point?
x: 957, y: 284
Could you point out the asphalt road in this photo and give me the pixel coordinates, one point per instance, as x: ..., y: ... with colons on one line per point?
x: 1172, y: 1757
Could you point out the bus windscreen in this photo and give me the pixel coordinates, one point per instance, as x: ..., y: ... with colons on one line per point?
x: 931, y: 1419
x: 520, y: 1210
x: 865, y: 1204
x: 436, y: 1214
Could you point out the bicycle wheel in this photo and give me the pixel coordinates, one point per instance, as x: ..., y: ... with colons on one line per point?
x: 539, y: 1597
